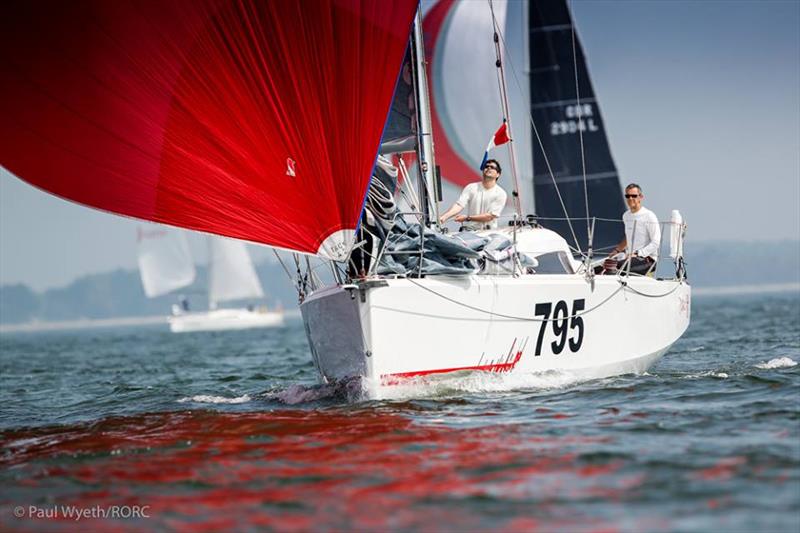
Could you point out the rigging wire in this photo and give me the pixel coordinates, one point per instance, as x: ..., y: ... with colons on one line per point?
x: 580, y: 123
x: 541, y: 147
x: 302, y: 281
x: 501, y: 80
x: 283, y: 265
x: 406, y: 189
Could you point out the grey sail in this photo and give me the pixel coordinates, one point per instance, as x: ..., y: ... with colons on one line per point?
x: 400, y: 132
x: 560, y: 122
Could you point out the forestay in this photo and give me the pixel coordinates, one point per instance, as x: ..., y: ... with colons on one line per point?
x: 254, y: 120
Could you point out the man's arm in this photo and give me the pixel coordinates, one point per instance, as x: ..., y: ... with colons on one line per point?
x: 454, y: 210
x: 483, y: 217
x: 458, y: 206
x: 620, y: 247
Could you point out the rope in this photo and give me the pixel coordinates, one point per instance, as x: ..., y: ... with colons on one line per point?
x: 511, y: 317
x: 623, y: 285
x: 541, y: 147
x: 655, y: 295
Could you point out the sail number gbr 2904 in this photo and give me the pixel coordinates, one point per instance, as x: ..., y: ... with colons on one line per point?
x: 567, y: 327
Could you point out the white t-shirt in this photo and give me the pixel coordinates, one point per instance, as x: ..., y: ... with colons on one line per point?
x: 642, y: 232
x: 479, y: 200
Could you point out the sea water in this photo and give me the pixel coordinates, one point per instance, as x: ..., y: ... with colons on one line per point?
x: 144, y: 429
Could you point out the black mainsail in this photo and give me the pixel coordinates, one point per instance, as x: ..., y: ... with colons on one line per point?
x: 561, y: 121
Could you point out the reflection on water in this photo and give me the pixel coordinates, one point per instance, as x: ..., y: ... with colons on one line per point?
x: 230, y: 432
x: 305, y: 470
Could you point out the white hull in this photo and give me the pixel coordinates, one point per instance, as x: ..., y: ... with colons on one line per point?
x: 225, y: 319
x: 390, y: 330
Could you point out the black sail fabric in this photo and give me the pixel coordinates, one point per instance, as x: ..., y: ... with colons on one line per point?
x: 561, y: 120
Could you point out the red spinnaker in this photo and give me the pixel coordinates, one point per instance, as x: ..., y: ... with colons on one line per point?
x: 187, y: 112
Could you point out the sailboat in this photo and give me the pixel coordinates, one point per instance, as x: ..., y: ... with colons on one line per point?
x: 262, y: 120
x: 166, y: 265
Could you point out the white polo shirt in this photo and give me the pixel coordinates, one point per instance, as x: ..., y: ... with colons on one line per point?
x: 478, y: 200
x: 643, y: 232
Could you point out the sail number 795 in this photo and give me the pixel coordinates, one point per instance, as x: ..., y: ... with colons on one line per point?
x: 567, y: 327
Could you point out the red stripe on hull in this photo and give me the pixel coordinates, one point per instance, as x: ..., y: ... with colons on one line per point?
x: 394, y: 379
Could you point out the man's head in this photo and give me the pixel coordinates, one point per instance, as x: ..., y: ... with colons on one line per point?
x: 633, y: 197
x: 492, y: 169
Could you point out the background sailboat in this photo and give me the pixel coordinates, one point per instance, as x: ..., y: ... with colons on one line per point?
x: 165, y: 261
x: 166, y: 265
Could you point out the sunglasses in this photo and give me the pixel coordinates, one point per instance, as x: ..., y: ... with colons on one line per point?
x: 631, y: 196
x: 490, y: 166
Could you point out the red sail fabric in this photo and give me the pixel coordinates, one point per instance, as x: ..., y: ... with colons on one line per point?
x: 258, y: 120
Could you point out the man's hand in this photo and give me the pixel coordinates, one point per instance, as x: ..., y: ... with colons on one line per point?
x: 442, y: 220
x: 461, y: 218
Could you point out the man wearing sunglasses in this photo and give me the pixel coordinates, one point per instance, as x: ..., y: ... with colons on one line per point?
x: 642, y: 234
x: 484, y: 201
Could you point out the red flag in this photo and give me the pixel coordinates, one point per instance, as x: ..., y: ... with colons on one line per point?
x: 501, y: 135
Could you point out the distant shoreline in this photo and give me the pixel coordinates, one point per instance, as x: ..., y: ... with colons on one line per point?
x: 90, y: 323
x: 746, y: 289
x: 96, y: 323
x: 83, y: 323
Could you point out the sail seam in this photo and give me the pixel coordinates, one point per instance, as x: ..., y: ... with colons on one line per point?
x: 554, y: 27
x: 557, y: 103
x: 578, y: 177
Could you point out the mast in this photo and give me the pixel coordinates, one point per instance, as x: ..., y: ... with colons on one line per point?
x: 427, y: 162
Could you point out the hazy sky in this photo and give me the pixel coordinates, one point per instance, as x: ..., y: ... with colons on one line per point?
x: 701, y: 100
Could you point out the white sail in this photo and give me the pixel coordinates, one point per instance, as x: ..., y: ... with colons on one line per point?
x: 231, y: 272
x: 165, y: 262
x: 466, y: 39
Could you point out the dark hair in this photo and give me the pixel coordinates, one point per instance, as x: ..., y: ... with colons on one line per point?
x: 496, y: 162
x: 634, y: 185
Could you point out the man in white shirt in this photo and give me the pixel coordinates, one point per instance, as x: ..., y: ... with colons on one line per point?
x: 484, y: 201
x: 642, y: 234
